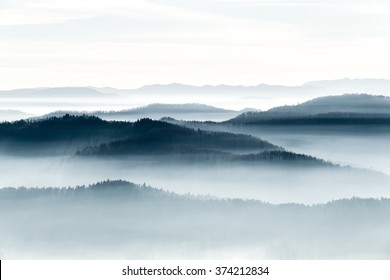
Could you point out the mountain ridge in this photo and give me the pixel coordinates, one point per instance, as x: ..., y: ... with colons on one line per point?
x: 348, y: 108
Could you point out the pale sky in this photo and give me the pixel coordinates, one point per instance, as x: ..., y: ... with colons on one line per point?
x: 130, y: 43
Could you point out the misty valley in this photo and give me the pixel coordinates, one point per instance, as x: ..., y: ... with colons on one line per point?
x: 121, y: 220
x: 166, y: 181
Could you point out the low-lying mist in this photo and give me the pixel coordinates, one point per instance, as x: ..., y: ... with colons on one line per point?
x: 360, y: 146
x: 73, y: 150
x: 267, y: 182
x: 120, y: 220
x: 252, y: 192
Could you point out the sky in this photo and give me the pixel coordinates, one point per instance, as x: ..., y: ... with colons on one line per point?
x: 130, y: 43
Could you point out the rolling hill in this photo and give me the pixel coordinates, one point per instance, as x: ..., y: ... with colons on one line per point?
x: 158, y: 111
x: 141, y: 137
x: 347, y: 109
x: 346, y: 103
x: 118, y: 219
x: 91, y: 136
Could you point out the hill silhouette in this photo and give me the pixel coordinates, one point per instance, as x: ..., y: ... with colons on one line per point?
x: 118, y: 219
x: 158, y: 138
x: 155, y: 137
x: 65, y: 128
x: 91, y: 136
x: 189, y: 111
x: 347, y: 109
x: 141, y: 137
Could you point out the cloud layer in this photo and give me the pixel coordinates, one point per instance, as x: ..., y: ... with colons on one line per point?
x: 130, y: 43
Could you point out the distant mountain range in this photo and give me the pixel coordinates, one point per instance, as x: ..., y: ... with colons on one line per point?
x: 310, y: 89
x: 110, y: 103
x: 346, y: 108
x: 260, y: 90
x: 307, y: 90
x: 338, y: 109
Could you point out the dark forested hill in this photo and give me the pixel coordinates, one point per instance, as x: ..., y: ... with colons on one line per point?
x: 153, y: 137
x: 141, y: 137
x: 63, y: 128
x: 91, y: 136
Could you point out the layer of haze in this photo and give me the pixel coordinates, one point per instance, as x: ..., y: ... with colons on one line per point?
x: 127, y: 44
x: 276, y: 184
x: 360, y: 147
